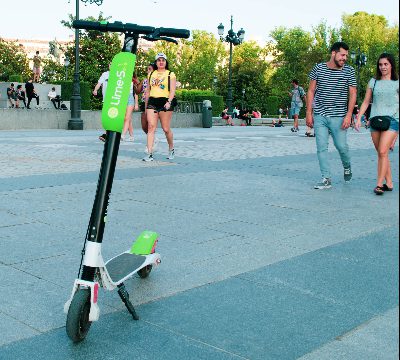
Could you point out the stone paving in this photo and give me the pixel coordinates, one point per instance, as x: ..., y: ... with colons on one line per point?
x: 237, y: 216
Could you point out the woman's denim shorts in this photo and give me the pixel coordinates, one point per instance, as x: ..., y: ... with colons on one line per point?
x: 131, y: 100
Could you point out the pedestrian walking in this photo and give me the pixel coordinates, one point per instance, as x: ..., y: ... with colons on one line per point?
x: 298, y: 95
x: 383, y: 92
x: 141, y: 88
x: 132, y: 105
x: 333, y: 89
x: 102, y: 83
x: 160, y: 102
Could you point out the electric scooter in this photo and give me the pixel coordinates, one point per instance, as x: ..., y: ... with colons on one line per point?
x: 82, y: 307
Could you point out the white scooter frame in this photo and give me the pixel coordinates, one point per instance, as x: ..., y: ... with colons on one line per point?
x: 115, y: 276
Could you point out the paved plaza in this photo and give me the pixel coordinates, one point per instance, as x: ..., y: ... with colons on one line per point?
x: 256, y: 264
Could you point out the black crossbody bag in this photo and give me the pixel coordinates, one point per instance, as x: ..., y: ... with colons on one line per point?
x: 381, y: 122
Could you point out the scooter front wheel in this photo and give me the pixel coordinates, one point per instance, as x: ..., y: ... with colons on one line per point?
x: 78, y: 323
x: 145, y: 272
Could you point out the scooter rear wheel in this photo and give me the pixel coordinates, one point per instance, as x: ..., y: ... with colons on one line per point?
x: 145, y: 272
x: 78, y: 323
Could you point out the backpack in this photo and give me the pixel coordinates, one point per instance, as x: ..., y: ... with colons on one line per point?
x: 63, y: 107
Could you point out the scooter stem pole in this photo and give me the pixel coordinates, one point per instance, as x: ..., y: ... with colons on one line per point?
x: 98, y: 217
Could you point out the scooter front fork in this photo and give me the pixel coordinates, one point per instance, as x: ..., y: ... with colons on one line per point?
x: 125, y: 298
x: 94, y: 291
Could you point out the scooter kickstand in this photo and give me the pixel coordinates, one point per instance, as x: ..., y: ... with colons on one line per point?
x: 125, y: 298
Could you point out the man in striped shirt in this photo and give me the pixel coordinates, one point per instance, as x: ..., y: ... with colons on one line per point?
x: 331, y: 98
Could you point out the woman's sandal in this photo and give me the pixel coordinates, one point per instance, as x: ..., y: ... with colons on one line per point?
x: 379, y: 190
x: 386, y: 188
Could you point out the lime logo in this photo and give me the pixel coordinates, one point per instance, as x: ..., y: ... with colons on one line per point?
x: 113, y: 112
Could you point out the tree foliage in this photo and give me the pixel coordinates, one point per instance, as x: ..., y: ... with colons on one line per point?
x: 13, y: 60
x: 96, y: 51
x: 263, y: 72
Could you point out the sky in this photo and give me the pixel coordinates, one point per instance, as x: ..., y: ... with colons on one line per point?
x: 257, y: 17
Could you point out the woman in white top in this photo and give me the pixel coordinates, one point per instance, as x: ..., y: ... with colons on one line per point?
x: 384, y: 91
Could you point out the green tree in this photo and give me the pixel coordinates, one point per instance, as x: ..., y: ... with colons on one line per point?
x: 290, y: 49
x: 96, y: 51
x: 248, y: 73
x: 370, y: 34
x: 194, y: 61
x: 13, y: 60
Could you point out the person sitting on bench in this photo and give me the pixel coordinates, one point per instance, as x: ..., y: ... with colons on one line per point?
x: 226, y: 117
x: 54, y: 98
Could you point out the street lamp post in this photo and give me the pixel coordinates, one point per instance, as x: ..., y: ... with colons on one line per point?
x: 215, y: 81
x: 66, y: 64
x: 76, y: 123
x: 360, y: 59
x: 233, y: 39
x: 243, y: 92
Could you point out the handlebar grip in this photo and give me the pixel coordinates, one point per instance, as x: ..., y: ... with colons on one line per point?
x: 115, y: 26
x: 175, y: 33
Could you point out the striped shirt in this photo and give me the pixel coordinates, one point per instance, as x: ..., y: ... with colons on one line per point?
x: 332, y: 90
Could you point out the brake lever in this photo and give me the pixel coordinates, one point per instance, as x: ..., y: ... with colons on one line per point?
x: 151, y: 37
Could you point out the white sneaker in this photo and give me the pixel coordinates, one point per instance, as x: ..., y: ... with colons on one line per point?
x: 149, y: 157
x: 131, y: 139
x: 325, y: 183
x: 171, y: 154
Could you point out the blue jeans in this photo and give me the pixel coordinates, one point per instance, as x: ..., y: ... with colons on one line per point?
x: 333, y: 125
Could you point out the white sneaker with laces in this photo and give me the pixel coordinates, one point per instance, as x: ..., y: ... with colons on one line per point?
x: 149, y: 157
x: 325, y: 183
x: 171, y: 154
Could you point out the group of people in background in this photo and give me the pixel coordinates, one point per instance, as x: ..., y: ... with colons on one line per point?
x: 330, y: 102
x: 243, y: 114
x: 17, y: 95
x: 331, y: 99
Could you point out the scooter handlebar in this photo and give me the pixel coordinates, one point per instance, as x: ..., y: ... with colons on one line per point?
x: 175, y: 33
x: 117, y: 26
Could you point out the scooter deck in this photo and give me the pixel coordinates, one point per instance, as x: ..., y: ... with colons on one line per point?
x: 123, y: 265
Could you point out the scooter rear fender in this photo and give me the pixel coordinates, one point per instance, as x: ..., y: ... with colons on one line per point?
x: 145, y: 243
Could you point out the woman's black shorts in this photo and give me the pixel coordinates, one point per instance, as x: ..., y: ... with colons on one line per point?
x: 158, y: 104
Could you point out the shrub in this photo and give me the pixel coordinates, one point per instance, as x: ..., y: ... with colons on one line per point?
x: 67, y: 90
x: 16, y: 78
x: 272, y: 104
x: 217, y: 101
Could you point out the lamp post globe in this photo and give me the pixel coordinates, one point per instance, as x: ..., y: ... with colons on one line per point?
x: 66, y: 64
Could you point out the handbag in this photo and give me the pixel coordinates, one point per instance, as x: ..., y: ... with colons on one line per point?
x: 380, y: 123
